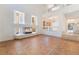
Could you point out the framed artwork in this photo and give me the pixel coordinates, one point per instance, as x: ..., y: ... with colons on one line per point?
x: 71, y: 26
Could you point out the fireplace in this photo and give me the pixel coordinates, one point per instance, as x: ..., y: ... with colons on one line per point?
x: 27, y: 30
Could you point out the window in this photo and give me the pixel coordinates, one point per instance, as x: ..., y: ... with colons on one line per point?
x: 55, y: 25
x: 19, y: 22
x: 34, y: 23
x: 19, y: 17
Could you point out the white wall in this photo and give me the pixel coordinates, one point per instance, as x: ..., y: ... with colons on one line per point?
x: 7, y: 18
x: 72, y: 10
x: 6, y: 23
x: 57, y: 33
x: 62, y: 19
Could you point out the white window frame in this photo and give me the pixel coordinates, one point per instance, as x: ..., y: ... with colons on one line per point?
x: 15, y: 22
x: 36, y: 23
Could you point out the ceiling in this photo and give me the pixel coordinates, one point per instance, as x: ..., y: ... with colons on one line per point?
x: 72, y: 14
x: 54, y: 7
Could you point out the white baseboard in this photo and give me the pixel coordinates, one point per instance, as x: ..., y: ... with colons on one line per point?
x: 7, y: 39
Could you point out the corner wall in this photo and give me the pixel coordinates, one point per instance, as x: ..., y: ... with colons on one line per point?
x: 7, y: 17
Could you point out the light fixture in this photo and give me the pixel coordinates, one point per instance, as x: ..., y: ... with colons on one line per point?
x: 55, y: 8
